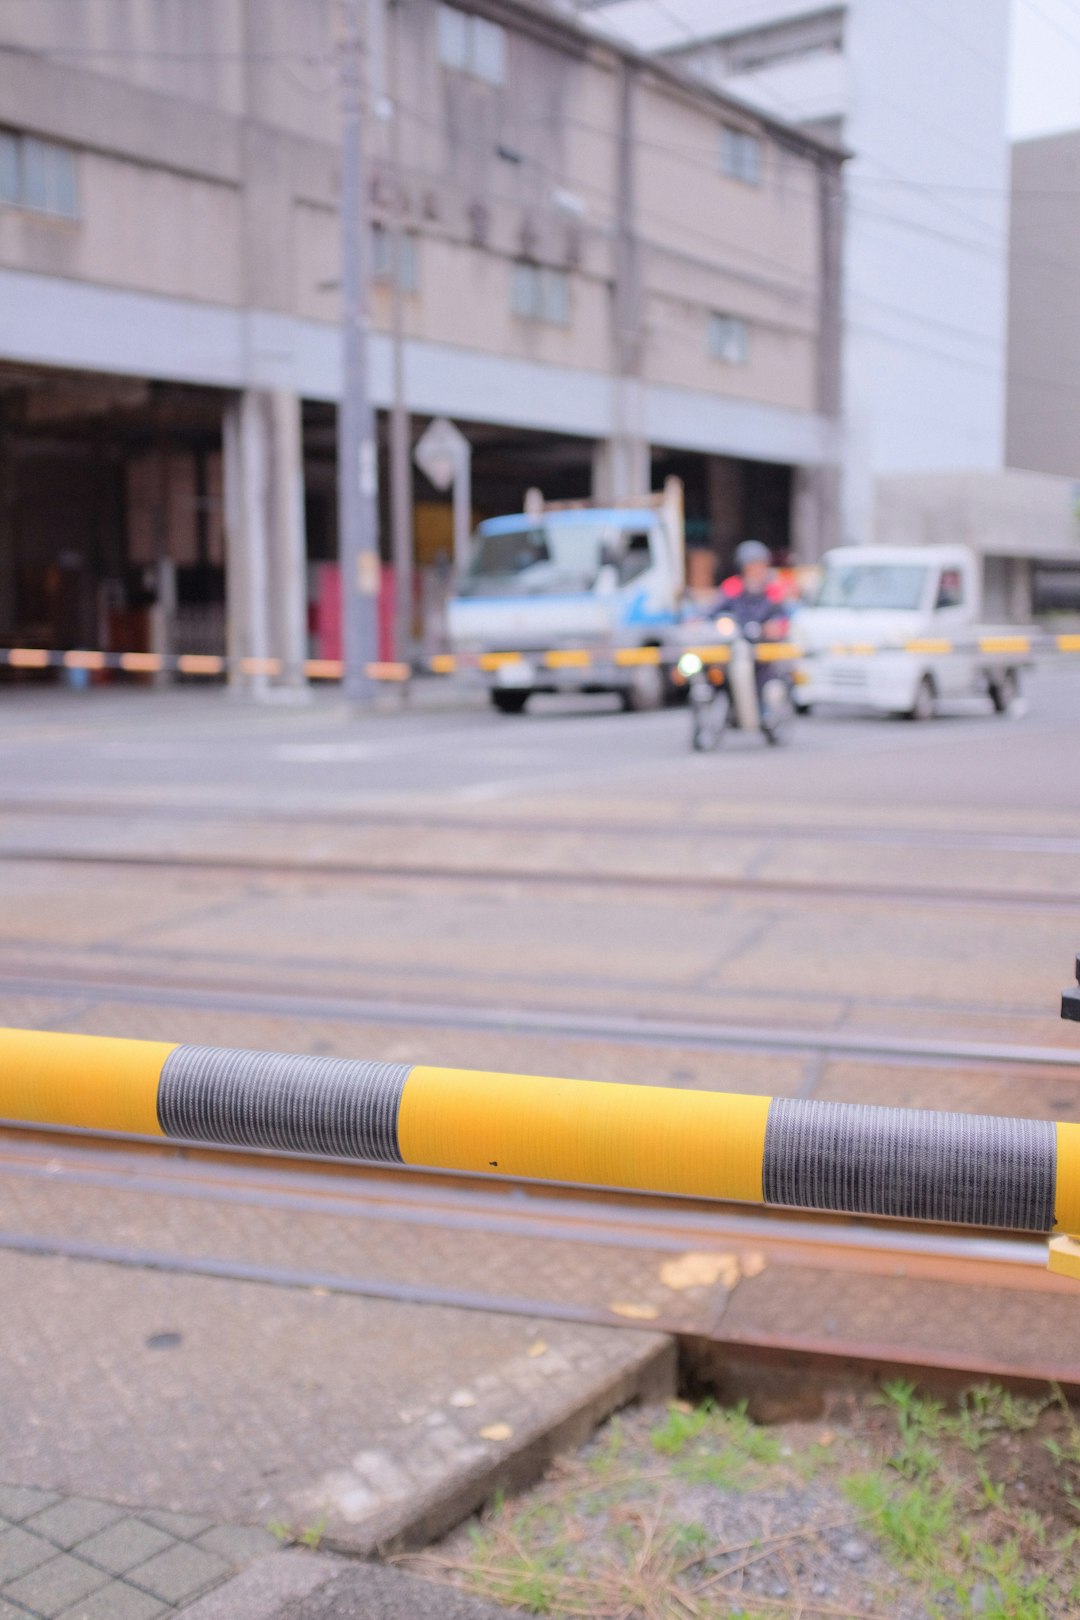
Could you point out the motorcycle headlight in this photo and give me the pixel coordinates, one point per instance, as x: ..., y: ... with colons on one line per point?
x: 690, y: 664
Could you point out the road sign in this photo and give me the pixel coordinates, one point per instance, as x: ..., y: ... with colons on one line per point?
x: 441, y: 452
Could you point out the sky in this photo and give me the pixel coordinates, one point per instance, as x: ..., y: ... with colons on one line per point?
x: 1044, y: 77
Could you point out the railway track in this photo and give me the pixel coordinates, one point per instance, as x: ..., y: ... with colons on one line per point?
x: 695, y: 884
x: 270, y: 999
x: 688, y: 826
x: 278, y: 1188
x: 812, y: 1254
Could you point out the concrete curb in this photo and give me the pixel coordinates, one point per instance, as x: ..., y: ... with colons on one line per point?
x: 393, y: 1500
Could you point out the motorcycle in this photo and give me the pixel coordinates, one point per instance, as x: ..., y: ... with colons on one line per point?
x: 728, y: 695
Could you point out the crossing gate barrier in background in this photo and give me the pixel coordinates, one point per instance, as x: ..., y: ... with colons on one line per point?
x: 903, y: 1164
x: 213, y: 665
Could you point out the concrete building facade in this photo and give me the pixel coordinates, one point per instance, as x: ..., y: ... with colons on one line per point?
x: 916, y: 92
x: 586, y: 287
x: 1044, y: 307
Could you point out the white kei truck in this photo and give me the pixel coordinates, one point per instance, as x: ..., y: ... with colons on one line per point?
x: 896, y: 629
x: 569, y: 597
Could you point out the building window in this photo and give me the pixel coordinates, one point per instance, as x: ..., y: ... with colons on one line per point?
x: 37, y: 174
x: 729, y: 339
x: 382, y: 258
x: 740, y: 155
x: 472, y: 44
x: 539, y: 294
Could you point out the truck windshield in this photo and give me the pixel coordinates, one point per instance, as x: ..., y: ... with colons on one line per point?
x: 872, y: 585
x: 538, y: 558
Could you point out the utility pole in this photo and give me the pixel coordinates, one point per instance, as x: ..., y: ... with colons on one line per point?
x: 357, y: 456
x: 629, y: 472
x: 401, y: 504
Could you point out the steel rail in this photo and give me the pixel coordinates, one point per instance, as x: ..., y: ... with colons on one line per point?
x: 804, y: 1243
x: 606, y: 1027
x: 682, y: 830
x: 1044, y: 903
x: 412, y: 1195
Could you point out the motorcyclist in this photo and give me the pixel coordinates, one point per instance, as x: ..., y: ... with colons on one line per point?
x: 754, y: 598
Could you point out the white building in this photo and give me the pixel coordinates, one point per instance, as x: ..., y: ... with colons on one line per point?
x: 916, y: 91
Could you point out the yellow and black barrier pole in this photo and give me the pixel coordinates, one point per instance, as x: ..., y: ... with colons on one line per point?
x: 395, y: 672
x: 904, y: 1164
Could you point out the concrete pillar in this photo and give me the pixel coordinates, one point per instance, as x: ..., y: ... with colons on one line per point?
x: 265, y: 549
x: 815, y: 512
x: 622, y: 465
x: 1019, y: 591
x: 621, y: 470
x: 7, y: 535
x: 163, y: 615
x: 288, y: 540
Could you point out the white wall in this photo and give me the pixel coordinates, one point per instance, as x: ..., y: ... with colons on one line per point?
x: 926, y: 253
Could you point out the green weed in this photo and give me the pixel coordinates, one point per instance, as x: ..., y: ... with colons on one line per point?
x: 679, y: 1428
x: 714, y: 1445
x: 311, y: 1536
x: 915, y: 1522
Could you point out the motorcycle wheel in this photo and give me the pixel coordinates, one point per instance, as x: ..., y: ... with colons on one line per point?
x: 709, y: 722
x: 777, y: 712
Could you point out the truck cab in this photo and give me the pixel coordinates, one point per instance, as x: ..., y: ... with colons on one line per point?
x: 556, y: 580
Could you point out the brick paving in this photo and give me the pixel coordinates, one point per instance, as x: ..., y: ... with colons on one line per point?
x: 79, y: 1558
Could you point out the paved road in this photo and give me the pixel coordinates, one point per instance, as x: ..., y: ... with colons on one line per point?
x: 874, y: 875
x: 191, y: 745
x: 568, y: 892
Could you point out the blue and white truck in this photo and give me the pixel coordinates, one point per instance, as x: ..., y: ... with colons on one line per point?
x: 569, y: 597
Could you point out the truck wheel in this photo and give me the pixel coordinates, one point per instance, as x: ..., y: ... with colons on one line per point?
x: 1004, y: 693
x: 925, y: 701
x: 509, y: 702
x: 646, y: 689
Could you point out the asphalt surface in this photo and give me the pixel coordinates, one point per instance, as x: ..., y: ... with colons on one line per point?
x: 192, y: 745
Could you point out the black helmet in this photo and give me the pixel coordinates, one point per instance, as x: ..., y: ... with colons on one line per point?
x: 752, y: 551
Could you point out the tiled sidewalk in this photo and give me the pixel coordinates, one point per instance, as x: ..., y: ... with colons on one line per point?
x: 71, y: 1558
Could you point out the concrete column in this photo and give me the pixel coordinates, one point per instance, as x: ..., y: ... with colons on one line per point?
x: 815, y: 512
x: 622, y: 465
x: 7, y: 535
x: 621, y: 469
x: 1019, y: 590
x: 265, y: 551
x: 288, y: 540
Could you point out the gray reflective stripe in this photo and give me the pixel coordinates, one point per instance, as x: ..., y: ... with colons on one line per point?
x: 299, y: 1104
x: 911, y: 1163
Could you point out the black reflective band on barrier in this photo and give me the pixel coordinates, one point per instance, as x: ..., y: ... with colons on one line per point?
x: 297, y: 1104
x: 968, y: 1168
